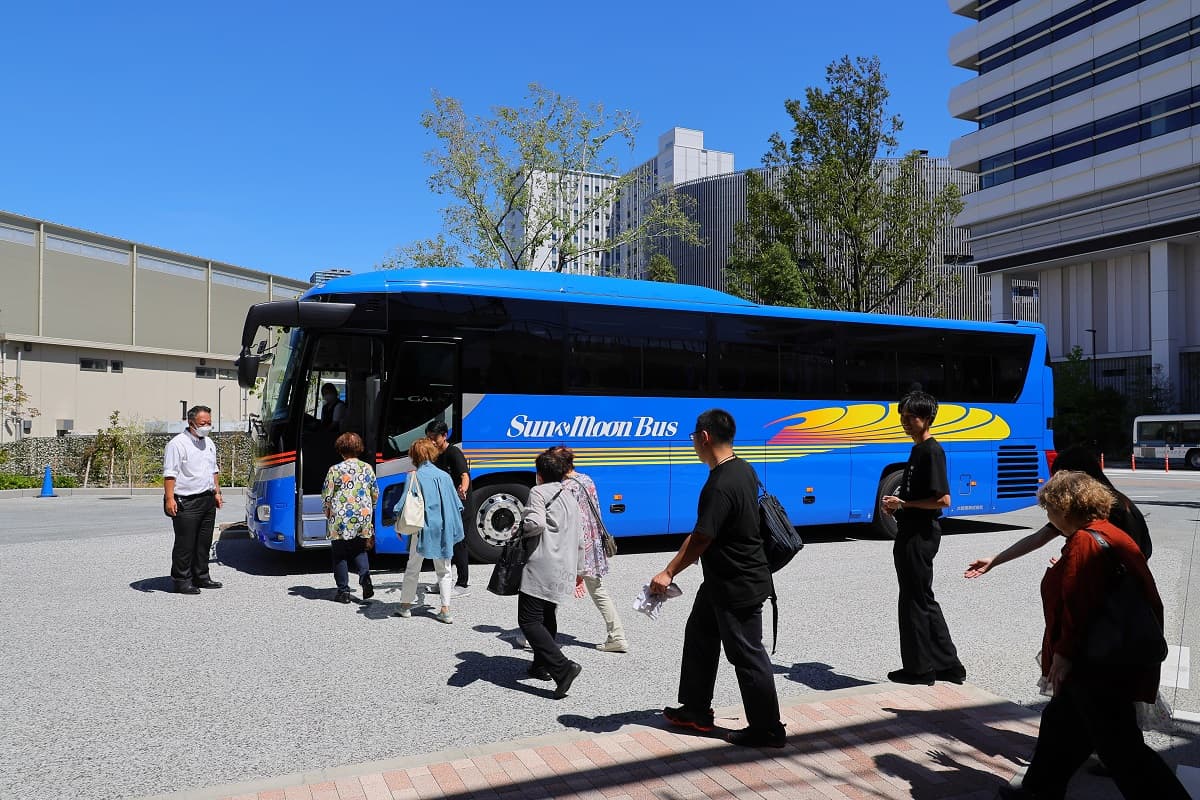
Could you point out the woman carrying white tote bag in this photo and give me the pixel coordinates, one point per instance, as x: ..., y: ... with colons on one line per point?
x: 411, y: 518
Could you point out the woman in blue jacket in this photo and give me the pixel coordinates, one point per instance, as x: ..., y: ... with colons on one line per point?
x: 443, y: 527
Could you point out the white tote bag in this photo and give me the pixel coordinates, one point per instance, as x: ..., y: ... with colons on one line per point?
x: 411, y: 518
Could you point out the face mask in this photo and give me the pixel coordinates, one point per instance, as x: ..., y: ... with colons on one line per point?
x: 203, y: 430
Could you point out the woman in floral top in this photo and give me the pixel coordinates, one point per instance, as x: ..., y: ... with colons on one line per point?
x: 595, y: 560
x: 349, y: 497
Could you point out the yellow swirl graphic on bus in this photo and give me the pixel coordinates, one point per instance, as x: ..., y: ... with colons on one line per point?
x: 872, y: 423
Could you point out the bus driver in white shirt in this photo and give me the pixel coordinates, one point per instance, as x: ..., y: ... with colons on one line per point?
x: 191, y: 497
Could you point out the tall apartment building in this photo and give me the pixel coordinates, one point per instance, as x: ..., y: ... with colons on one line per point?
x: 1087, y: 154
x: 720, y: 204
x: 681, y: 156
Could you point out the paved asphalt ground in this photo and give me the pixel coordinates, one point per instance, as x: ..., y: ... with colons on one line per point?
x: 110, y: 686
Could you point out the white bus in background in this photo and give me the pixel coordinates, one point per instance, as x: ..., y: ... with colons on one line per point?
x: 1168, y: 436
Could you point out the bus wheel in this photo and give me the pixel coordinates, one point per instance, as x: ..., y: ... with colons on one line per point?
x: 1193, y: 459
x: 495, y: 514
x: 885, y: 524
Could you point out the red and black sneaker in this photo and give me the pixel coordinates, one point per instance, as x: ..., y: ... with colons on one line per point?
x: 683, y: 717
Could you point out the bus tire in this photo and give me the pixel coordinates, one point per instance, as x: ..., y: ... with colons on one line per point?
x: 494, y: 514
x: 1193, y: 458
x: 884, y: 524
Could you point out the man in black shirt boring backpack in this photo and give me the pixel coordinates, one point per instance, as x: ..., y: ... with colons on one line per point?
x: 926, y: 650
x: 727, y: 611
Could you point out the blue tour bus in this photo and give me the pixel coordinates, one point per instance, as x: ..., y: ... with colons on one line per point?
x: 515, y: 362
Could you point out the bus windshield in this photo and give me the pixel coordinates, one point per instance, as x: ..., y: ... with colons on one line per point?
x: 277, y: 387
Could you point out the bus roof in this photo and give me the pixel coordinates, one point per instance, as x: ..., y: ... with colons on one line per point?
x: 536, y: 285
x: 1165, y: 417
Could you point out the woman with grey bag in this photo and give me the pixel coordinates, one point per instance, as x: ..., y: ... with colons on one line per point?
x: 595, y: 553
x: 552, y: 571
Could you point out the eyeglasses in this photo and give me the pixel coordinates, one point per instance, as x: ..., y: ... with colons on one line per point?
x: 694, y: 435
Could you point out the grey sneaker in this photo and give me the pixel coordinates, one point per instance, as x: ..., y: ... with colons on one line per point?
x: 459, y: 591
x: 614, y: 646
x: 444, y: 616
x: 404, y: 612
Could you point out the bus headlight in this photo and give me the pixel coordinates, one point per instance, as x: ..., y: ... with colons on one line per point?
x: 263, y: 513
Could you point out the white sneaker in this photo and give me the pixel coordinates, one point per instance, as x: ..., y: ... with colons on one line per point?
x: 459, y: 591
x: 613, y: 646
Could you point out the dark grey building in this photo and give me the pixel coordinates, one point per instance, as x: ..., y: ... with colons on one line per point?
x: 720, y: 203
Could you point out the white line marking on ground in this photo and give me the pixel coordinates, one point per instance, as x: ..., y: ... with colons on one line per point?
x: 1189, y: 777
x: 1177, y: 669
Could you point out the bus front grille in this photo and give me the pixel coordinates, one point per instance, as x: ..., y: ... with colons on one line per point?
x: 1017, y: 471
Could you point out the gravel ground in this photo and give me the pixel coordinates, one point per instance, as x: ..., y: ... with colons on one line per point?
x: 114, y: 687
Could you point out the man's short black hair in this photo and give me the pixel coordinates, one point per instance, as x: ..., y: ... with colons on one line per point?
x: 719, y: 424
x: 437, y: 428
x: 196, y: 410
x: 919, y: 404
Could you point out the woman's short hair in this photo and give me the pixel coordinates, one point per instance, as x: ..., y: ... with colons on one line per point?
x: 567, y: 455
x: 1076, y: 495
x: 422, y: 450
x: 348, y: 444
x: 551, y: 466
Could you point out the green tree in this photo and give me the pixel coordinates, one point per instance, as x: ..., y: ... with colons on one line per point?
x: 434, y: 252
x: 515, y: 178
x: 660, y: 269
x: 860, y: 231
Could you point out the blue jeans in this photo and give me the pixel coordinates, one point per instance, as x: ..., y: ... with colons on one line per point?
x: 344, y: 551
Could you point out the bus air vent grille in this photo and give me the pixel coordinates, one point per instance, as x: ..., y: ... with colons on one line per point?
x: 1017, y: 471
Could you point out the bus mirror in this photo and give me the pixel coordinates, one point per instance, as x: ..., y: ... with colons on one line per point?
x: 247, y: 368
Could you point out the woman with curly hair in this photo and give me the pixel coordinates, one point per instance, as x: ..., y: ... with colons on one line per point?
x: 1092, y: 707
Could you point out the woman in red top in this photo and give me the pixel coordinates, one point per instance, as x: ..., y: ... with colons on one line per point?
x: 1092, y: 707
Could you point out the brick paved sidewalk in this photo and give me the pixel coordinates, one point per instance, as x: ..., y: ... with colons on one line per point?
x: 878, y: 741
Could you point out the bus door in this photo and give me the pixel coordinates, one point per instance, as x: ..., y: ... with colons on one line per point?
x: 421, y: 387
x: 353, y: 367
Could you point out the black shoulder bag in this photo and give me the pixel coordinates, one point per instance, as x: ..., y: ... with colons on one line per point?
x: 1124, y: 631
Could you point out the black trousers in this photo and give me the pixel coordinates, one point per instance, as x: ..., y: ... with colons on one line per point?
x: 925, y: 643
x: 1082, y: 718
x: 193, y: 522
x: 710, y: 627
x: 344, y: 551
x: 538, y: 619
x: 461, y: 560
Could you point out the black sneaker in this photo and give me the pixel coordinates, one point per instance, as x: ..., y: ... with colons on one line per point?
x: 759, y: 737
x: 342, y: 597
x: 684, y: 717
x: 564, y: 685
x: 368, y: 588
x: 954, y: 675
x: 911, y: 678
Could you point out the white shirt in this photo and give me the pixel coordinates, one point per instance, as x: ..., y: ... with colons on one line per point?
x: 192, y: 461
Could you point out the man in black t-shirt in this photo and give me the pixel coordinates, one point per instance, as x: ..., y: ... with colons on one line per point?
x: 728, y: 607
x: 452, y: 461
x: 926, y: 650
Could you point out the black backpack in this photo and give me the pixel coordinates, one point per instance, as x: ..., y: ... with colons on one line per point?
x: 780, y: 539
x: 781, y: 542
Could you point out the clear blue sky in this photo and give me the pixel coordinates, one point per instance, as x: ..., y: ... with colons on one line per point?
x: 285, y: 136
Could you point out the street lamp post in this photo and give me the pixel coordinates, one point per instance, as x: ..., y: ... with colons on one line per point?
x: 219, y: 390
x: 1092, y: 331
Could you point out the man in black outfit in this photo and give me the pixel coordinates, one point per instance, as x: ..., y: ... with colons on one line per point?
x: 926, y: 651
x: 727, y: 611
x: 452, y: 461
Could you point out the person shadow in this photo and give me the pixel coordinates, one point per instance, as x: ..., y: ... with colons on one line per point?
x: 506, y: 672
x: 927, y: 783
x: 515, y: 639
x: 816, y: 675
x: 161, y: 584
x: 991, y: 740
x: 608, y: 723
